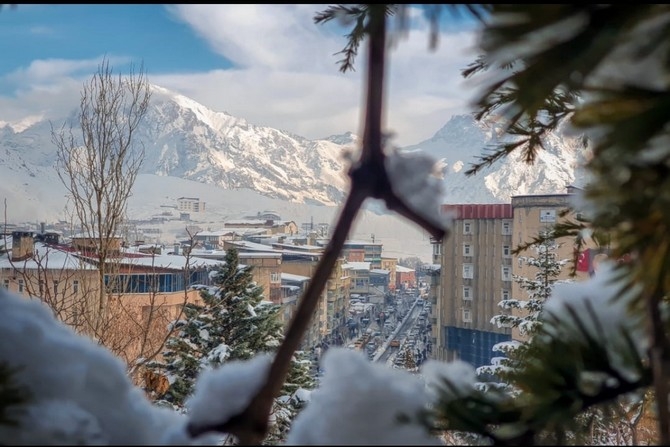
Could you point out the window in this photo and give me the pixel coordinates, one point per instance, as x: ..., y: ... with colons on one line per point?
x: 20, y: 286
x: 5, y: 283
x: 467, y: 316
x: 75, y: 286
x: 437, y: 249
x: 467, y: 250
x: 468, y: 271
x: 275, y: 277
x: 467, y: 227
x: 55, y: 287
x: 507, y: 251
x: 507, y: 227
x: 467, y: 293
x: 505, y: 295
x: 506, y: 274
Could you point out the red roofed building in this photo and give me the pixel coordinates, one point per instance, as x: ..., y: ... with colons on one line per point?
x: 477, y: 268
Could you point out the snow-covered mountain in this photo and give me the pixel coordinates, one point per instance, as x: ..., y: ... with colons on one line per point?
x: 187, y: 141
x: 462, y: 140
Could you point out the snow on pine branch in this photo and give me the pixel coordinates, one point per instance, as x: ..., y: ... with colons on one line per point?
x: 414, y: 179
x: 602, y: 302
x: 223, y: 392
x: 359, y: 403
x: 81, y: 393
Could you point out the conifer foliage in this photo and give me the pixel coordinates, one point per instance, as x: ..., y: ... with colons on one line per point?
x: 524, y: 314
x: 233, y: 322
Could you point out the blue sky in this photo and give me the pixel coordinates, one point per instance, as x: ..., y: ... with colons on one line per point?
x: 144, y: 32
x: 269, y: 64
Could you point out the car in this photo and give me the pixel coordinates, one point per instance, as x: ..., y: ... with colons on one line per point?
x: 395, y: 343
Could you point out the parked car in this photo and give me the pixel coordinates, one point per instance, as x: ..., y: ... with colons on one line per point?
x: 395, y: 343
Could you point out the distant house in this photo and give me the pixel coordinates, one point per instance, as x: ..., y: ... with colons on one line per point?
x: 370, y: 251
x: 216, y: 239
x: 405, y: 277
x: 360, y: 277
x: 142, y: 286
x: 379, y: 278
x: 90, y: 243
x: 274, y: 226
x: 265, y: 215
x: 190, y: 204
x: 390, y: 265
x: 292, y: 288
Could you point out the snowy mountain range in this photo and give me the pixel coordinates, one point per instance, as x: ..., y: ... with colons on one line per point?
x: 190, y: 147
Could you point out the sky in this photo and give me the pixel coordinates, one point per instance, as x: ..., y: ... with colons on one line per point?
x: 269, y: 64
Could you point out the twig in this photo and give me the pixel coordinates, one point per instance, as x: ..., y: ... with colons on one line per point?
x: 369, y: 180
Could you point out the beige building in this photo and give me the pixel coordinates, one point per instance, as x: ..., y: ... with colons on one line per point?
x: 476, y: 272
x: 272, y: 226
x: 190, y: 204
x: 475, y: 269
x: 266, y: 272
x: 532, y: 215
x: 330, y: 318
x: 148, y: 291
x: 390, y: 265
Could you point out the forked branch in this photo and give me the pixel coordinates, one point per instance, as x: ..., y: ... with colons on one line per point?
x: 369, y: 179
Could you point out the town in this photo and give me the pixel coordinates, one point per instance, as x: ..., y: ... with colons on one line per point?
x: 57, y: 265
x: 368, y: 295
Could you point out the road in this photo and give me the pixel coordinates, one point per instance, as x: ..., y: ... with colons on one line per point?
x: 385, y: 352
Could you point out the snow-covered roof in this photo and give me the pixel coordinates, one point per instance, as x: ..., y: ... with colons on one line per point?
x: 253, y: 246
x: 358, y: 265
x: 176, y: 262
x: 403, y: 269
x: 257, y: 222
x: 48, y: 257
x: 239, y: 230
x: 292, y: 277
x: 304, y: 247
x: 380, y: 271
x: 359, y: 242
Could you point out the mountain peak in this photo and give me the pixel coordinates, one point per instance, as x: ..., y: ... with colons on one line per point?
x: 345, y: 139
x: 183, y: 138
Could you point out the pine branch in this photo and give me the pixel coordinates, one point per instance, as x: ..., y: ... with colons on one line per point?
x: 11, y: 395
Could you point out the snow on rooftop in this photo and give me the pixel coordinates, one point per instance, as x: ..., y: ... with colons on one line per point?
x: 292, y: 277
x: 358, y: 265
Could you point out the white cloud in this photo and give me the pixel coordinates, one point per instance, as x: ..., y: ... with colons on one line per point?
x: 290, y: 67
x: 286, y: 74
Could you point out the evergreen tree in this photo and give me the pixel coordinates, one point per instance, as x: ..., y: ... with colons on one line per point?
x: 232, y: 323
x: 524, y: 314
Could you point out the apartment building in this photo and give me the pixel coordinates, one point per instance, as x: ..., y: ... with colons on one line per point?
x: 330, y: 318
x: 190, y: 204
x: 532, y: 215
x: 476, y: 270
x: 371, y: 252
